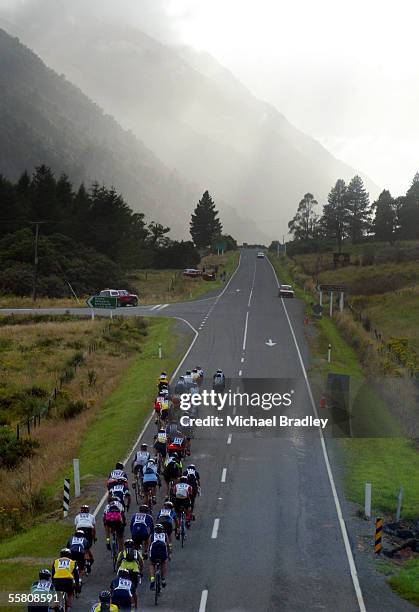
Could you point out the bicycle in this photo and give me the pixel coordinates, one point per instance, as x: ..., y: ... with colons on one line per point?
x: 182, y: 528
x: 157, y: 582
x: 114, y: 550
x: 137, y: 485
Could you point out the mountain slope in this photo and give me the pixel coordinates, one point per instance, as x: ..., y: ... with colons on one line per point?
x: 194, y: 114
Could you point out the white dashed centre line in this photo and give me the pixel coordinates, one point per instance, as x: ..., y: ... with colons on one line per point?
x: 224, y: 475
x: 229, y: 438
x: 214, y: 533
x: 203, y: 602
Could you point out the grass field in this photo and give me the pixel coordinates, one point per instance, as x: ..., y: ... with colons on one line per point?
x: 388, y: 461
x: 153, y: 286
x: 108, y: 439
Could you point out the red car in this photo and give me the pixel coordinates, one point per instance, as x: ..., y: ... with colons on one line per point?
x: 124, y: 297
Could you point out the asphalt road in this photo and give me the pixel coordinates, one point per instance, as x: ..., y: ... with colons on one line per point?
x: 269, y: 533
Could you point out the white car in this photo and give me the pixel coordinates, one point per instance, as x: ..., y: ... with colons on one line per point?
x: 261, y: 255
x: 285, y: 291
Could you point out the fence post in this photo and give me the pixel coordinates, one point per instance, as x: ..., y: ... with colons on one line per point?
x: 17, y: 432
x: 331, y: 304
x: 329, y: 353
x: 341, y: 301
x: 76, y: 469
x: 378, y: 546
x: 399, y: 504
x: 66, y: 497
x: 367, y: 509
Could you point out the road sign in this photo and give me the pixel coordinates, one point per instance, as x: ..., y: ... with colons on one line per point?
x: 102, y: 301
x: 332, y: 288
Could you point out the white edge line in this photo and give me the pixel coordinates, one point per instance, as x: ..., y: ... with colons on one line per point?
x: 341, y: 520
x: 245, y: 331
x: 224, y: 475
x: 229, y: 438
x: 203, y: 602
x: 214, y: 533
x: 147, y: 423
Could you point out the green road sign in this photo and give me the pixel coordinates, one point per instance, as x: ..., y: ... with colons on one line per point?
x: 102, y: 301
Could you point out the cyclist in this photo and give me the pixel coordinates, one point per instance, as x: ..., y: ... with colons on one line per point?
x: 151, y: 479
x: 104, y: 604
x: 86, y: 522
x: 178, y: 444
x: 172, y: 470
x: 194, y: 480
x: 122, y: 492
x: 140, y: 459
x: 65, y: 576
x: 43, y: 586
x: 141, y: 527
x: 79, y: 546
x: 116, y: 475
x: 167, y: 517
x: 114, y: 520
x: 182, y: 494
x: 131, y: 560
x: 195, y: 376
x: 201, y: 375
x: 160, y: 444
x: 122, y: 591
x: 164, y: 406
x: 188, y: 380
x: 180, y: 386
x: 218, y: 381
x: 159, y: 552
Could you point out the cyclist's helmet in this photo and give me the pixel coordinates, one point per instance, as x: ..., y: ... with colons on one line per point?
x: 159, y: 528
x: 219, y: 371
x: 105, y: 597
x: 129, y: 543
x: 195, y: 370
x: 144, y: 446
x: 65, y: 552
x: 123, y: 573
x: 168, y: 504
x: 85, y: 509
x: 144, y: 508
x: 162, y: 430
x: 188, y: 372
x: 183, y: 479
x: 119, y: 466
x: 152, y: 461
x: 191, y: 467
x: 181, y: 378
x: 44, y: 574
x: 163, y: 375
x: 80, y: 533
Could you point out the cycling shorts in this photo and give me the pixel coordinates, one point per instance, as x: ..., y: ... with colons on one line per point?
x: 149, y: 485
x: 88, y: 532
x: 64, y: 585
x: 78, y: 557
x: 158, y: 552
x: 167, y: 524
x: 161, y: 448
x: 181, y: 504
x: 116, y: 526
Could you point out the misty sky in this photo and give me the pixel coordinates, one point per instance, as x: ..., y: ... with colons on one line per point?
x: 345, y: 72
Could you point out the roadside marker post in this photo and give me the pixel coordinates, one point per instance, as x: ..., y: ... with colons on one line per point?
x: 329, y: 353
x: 341, y: 301
x: 399, y: 504
x: 378, y: 546
x: 66, y: 497
x: 160, y: 351
x: 92, y: 314
x: 76, y: 469
x: 367, y: 507
x: 331, y: 303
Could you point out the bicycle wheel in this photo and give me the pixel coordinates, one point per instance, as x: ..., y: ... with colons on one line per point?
x: 182, y: 529
x: 114, y: 551
x: 157, y: 585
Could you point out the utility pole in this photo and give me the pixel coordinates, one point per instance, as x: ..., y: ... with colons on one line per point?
x: 284, y: 243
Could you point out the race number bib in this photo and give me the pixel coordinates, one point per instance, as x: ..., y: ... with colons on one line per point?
x: 178, y: 441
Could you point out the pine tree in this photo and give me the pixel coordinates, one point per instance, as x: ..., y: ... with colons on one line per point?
x: 334, y: 221
x: 409, y: 212
x: 384, y: 224
x: 204, y: 224
x: 305, y: 223
x: 358, y: 208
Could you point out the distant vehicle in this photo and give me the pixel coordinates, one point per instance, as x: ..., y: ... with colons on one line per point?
x: 261, y: 255
x: 285, y: 291
x: 192, y: 272
x: 209, y: 276
x: 124, y: 297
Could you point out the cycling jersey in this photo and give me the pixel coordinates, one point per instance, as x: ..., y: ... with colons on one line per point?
x: 41, y: 587
x: 100, y: 607
x: 158, y: 548
x: 120, y: 491
x: 118, y: 475
x: 64, y: 568
x: 78, y: 544
x: 84, y: 519
x: 161, y: 437
x: 183, y: 490
x: 150, y: 477
x: 166, y: 515
x: 140, y: 520
x: 122, y: 592
x: 180, y: 387
x: 114, y: 512
x: 130, y: 560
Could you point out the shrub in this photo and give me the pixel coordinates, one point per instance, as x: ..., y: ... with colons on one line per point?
x: 12, y: 450
x: 73, y: 408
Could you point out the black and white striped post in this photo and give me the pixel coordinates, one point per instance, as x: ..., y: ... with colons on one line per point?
x: 66, y: 496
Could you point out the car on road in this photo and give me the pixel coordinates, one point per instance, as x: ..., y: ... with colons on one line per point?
x: 192, y: 272
x: 285, y: 291
x: 261, y: 255
x: 124, y: 297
